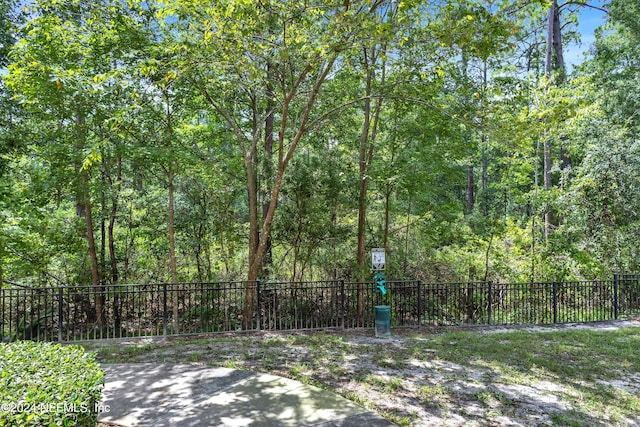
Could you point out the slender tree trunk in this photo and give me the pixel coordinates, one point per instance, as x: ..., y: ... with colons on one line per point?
x: 485, y: 178
x: 2, y: 252
x: 130, y: 244
x: 406, y: 239
x: 83, y: 209
x: 223, y: 249
x: 367, y: 142
x: 554, y: 56
x: 115, y: 276
x: 170, y: 172
x: 547, y: 186
x: 198, y: 251
x: 173, y: 266
x: 254, y: 241
x: 267, y: 164
x: 93, y: 256
x: 471, y: 195
x: 103, y: 227
x: 555, y: 71
x: 387, y: 215
x: 366, y: 152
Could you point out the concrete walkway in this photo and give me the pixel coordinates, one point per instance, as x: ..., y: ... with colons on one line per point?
x: 194, y: 395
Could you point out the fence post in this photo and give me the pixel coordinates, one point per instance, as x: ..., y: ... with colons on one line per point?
x: 555, y: 302
x: 342, y: 301
x: 258, y: 302
x: 164, y: 309
x: 616, y: 301
x: 60, y: 311
x: 490, y: 302
x: 419, y: 303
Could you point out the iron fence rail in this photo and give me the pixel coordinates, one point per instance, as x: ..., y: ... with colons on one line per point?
x: 137, y: 310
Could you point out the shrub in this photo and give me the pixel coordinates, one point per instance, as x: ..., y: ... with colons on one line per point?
x: 43, y: 384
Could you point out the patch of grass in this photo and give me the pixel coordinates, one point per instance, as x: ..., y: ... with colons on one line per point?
x: 570, y: 418
x: 194, y: 357
x: 115, y: 353
x: 363, y: 401
x: 232, y: 363
x: 391, y: 363
x: 396, y: 418
x: 431, y: 392
x: 390, y: 385
x: 565, y: 354
x: 298, y: 369
x: 491, y: 398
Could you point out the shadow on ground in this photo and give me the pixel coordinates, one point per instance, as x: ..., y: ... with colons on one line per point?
x: 192, y: 395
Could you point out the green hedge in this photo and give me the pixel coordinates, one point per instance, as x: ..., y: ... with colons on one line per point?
x: 43, y: 384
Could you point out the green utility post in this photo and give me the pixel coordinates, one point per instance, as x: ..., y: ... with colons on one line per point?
x: 383, y: 312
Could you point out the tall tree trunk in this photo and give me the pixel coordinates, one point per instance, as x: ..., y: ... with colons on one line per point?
x: 471, y: 195
x: 115, y: 274
x: 406, y: 239
x: 555, y: 71
x: 103, y: 225
x: 254, y: 240
x: 387, y: 215
x: 267, y: 163
x: 93, y: 256
x: 173, y: 266
x: 84, y: 210
x: 170, y: 171
x: 485, y: 178
x: 484, y: 160
x: 114, y: 262
x: 547, y: 186
x: 117, y: 312
x: 366, y: 152
x: 554, y: 62
x: 367, y: 143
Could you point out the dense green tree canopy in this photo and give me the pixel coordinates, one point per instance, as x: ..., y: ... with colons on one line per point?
x: 209, y: 140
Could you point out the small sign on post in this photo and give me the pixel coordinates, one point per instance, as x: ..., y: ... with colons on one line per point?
x: 377, y: 258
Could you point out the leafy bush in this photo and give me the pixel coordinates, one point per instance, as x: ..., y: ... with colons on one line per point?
x: 43, y: 384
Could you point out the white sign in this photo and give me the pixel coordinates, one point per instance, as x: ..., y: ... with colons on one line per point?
x: 377, y: 258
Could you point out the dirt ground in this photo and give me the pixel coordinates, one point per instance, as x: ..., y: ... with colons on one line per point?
x: 406, y: 383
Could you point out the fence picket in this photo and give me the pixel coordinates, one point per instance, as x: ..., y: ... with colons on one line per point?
x: 68, y: 313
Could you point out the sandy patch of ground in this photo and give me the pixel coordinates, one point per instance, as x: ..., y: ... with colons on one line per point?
x: 408, y: 386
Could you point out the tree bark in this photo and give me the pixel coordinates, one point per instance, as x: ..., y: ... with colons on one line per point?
x: 471, y: 195
x: 254, y: 240
x: 485, y: 178
x: 267, y: 163
x: 173, y: 266
x: 83, y: 209
x: 171, y: 228
x: 258, y: 241
x: 115, y: 275
x: 554, y: 56
x: 554, y: 69
x: 367, y: 142
x: 93, y: 256
x: 547, y: 186
x: 366, y: 152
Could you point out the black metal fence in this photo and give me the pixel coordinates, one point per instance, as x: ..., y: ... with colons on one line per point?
x: 118, y: 311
